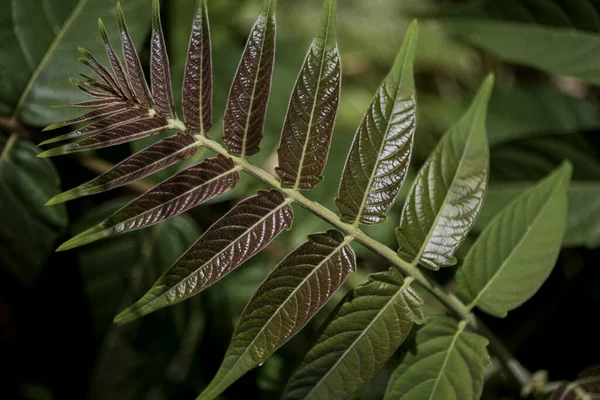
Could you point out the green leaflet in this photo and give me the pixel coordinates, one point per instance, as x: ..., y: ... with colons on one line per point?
x: 292, y: 294
x: 521, y: 245
x: 449, y: 190
x: 361, y: 334
x: 235, y: 238
x: 583, y: 218
x: 28, y: 230
x: 249, y: 94
x: 308, y: 127
x: 382, y: 147
x: 562, y: 37
x: 36, y: 66
x: 448, y: 364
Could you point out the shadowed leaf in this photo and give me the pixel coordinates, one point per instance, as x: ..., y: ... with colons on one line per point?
x: 135, y: 73
x: 382, y: 147
x: 145, y: 162
x: 310, y: 120
x: 520, y: 244
x: 449, y: 190
x: 174, y: 196
x: 248, y: 98
x: 160, y: 73
x: 291, y: 295
x: 197, y: 84
x: 112, y: 121
x: 448, y: 363
x: 361, y: 334
x: 136, y: 129
x: 586, y: 386
x: 236, y: 237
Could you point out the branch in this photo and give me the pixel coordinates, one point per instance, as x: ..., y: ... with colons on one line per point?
x: 13, y: 126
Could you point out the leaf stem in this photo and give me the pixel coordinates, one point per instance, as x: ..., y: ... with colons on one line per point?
x: 451, y: 302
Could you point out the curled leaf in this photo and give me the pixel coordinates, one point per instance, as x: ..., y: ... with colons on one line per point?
x: 197, y: 81
x: 174, y: 196
x: 310, y: 119
x: 380, y: 155
x: 249, y: 95
x: 228, y: 243
x: 290, y: 296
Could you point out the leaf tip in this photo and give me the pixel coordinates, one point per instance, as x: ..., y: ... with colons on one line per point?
x: 52, y: 127
x: 155, y: 14
x: 60, y: 198
x: 120, y: 16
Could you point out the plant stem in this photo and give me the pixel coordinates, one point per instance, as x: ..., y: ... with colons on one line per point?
x: 451, y: 302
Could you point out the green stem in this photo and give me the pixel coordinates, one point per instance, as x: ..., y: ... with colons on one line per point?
x: 451, y: 302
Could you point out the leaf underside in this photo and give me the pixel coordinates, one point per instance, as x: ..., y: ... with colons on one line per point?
x: 290, y: 296
x: 174, y: 196
x: 449, y: 190
x: 448, y: 364
x: 380, y: 155
x: 197, y: 84
x: 241, y: 233
x: 521, y: 244
x: 248, y: 98
x: 308, y: 127
x: 361, y: 334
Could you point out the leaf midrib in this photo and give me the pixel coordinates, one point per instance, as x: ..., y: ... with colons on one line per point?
x: 517, y: 246
x: 315, y: 270
x: 444, y: 202
x: 459, y: 331
x: 315, y: 100
x: 74, y: 14
x: 409, y: 52
x: 401, y: 290
x: 246, y: 232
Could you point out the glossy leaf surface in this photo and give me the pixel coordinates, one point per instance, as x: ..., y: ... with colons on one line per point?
x: 361, y: 334
x: 38, y: 55
x: 160, y: 72
x: 558, y: 36
x: 145, y: 162
x: 174, y: 196
x: 583, y: 216
x: 28, y: 230
x: 134, y: 130
x: 380, y: 155
x: 448, y: 363
x: 308, y: 127
x: 247, y: 104
x: 237, y: 236
x: 449, y: 190
x: 197, y: 81
x: 292, y: 294
x: 520, y: 245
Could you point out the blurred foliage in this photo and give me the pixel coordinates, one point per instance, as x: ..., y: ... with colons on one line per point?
x: 535, y: 121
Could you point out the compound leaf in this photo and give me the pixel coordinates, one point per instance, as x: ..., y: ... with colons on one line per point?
x: 448, y: 363
x: 521, y: 245
x: 449, y: 190
x: 241, y: 233
x: 308, y: 127
x: 362, y: 333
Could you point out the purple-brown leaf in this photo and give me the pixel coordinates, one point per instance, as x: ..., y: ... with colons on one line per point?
x: 172, y: 197
x: 160, y: 73
x: 115, y: 63
x: 232, y: 240
x: 145, y: 162
x: 197, y: 83
x: 134, y: 130
x: 247, y: 104
x: 91, y: 116
x: 310, y: 119
x: 101, y: 70
x: 135, y: 73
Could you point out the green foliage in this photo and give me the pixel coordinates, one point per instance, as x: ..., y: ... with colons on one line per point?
x: 518, y: 133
